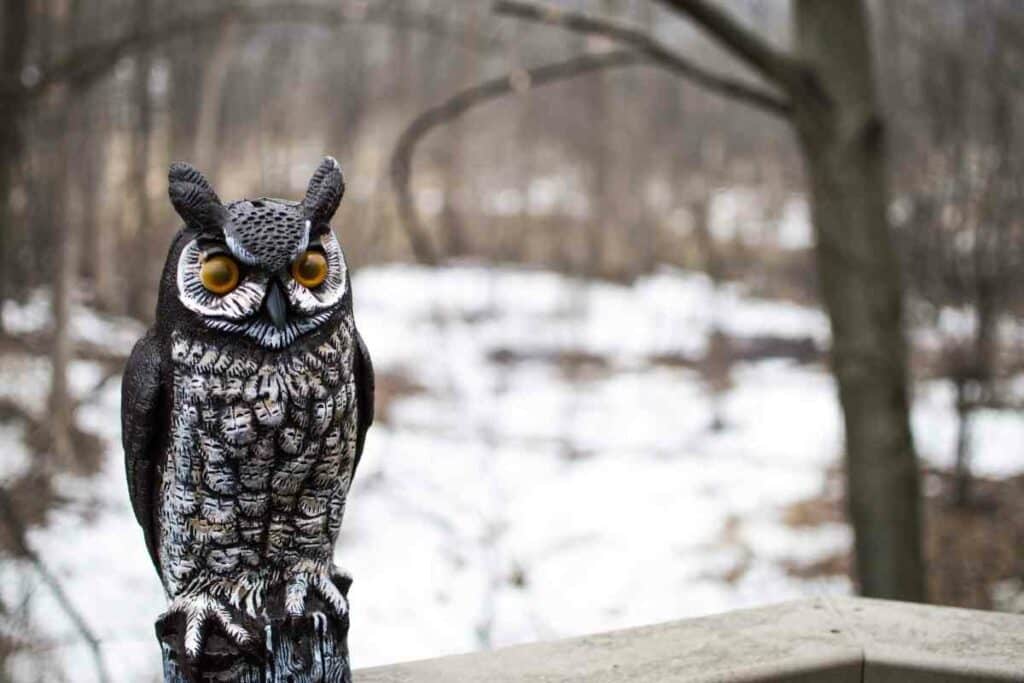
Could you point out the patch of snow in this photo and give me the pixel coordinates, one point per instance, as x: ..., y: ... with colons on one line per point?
x: 26, y: 380
x: 794, y: 229
x: 114, y: 333
x: 16, y: 458
x: 995, y: 434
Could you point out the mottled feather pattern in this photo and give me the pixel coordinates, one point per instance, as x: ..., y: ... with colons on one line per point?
x: 262, y: 446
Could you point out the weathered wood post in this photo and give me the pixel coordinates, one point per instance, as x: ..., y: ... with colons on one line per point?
x: 312, y: 648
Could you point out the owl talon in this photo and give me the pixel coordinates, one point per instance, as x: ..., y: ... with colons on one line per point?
x: 320, y: 622
x: 321, y: 581
x: 198, y: 612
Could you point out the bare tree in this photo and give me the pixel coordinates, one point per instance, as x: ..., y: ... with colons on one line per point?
x: 140, y: 258
x: 211, y: 98
x: 13, y: 49
x: 960, y: 169
x: 829, y: 97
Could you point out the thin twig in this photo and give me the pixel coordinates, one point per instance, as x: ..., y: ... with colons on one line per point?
x: 644, y: 43
x: 16, y: 527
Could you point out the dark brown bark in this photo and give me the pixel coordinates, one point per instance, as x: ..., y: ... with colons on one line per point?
x: 65, y: 276
x: 71, y: 121
x: 962, y: 466
x: 97, y: 260
x: 140, y: 300
x: 841, y: 133
x: 12, y: 61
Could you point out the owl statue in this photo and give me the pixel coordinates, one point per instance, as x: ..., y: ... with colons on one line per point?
x: 245, y: 408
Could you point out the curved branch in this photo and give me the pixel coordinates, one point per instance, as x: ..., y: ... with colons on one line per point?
x: 759, y: 54
x: 646, y: 44
x: 458, y: 104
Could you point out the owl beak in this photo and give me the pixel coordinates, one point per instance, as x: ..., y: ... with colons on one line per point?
x: 276, y: 305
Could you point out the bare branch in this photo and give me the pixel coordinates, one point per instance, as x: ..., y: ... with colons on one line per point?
x: 16, y: 529
x: 649, y: 46
x: 460, y: 103
x: 85, y: 65
x: 778, y: 67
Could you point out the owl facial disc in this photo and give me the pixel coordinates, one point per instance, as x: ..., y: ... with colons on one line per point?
x: 263, y: 237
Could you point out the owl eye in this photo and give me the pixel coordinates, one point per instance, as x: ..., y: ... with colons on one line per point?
x: 219, y: 274
x: 310, y: 269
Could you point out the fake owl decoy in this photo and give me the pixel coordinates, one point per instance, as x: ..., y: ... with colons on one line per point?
x: 245, y: 408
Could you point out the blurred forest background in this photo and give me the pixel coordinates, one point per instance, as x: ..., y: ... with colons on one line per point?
x: 633, y: 165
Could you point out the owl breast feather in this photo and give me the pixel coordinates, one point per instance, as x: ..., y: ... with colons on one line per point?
x: 259, y: 461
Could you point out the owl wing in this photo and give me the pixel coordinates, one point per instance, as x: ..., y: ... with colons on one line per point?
x: 143, y: 428
x: 363, y: 370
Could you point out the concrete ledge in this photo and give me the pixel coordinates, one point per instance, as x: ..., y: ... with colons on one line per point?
x: 833, y: 640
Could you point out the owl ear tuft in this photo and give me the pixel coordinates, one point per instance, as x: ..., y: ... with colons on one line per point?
x: 326, y: 188
x: 194, y: 199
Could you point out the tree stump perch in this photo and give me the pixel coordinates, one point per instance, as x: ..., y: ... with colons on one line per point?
x: 312, y: 648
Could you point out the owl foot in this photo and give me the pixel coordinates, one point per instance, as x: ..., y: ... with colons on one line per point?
x: 324, y: 580
x: 198, y: 611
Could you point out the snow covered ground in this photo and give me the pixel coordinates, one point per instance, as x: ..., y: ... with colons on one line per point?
x: 513, y: 497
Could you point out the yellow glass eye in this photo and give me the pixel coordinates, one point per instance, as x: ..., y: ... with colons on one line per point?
x: 219, y: 274
x: 310, y: 269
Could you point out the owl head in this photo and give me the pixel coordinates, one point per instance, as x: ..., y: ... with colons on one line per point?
x: 268, y: 269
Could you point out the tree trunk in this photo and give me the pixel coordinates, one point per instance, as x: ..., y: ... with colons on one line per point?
x: 73, y: 121
x: 962, y: 471
x: 98, y: 258
x: 601, y: 199
x: 640, y: 229
x: 453, y: 230
x: 67, y: 237
x: 842, y: 137
x: 12, y: 61
x: 206, y: 154
x: 140, y: 299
